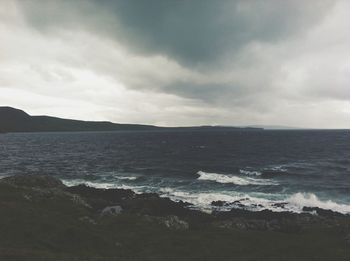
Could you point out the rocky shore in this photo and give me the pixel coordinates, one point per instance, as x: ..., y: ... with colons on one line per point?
x: 42, y: 219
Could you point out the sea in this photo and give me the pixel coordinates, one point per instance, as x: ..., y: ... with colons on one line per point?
x: 279, y: 170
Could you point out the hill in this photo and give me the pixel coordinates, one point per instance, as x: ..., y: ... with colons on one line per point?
x: 15, y: 120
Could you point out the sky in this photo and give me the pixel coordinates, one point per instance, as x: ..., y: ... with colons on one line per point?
x: 179, y: 62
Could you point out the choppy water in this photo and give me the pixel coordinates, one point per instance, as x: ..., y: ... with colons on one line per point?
x: 256, y: 168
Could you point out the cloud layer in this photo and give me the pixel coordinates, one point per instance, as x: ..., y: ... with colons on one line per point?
x: 172, y: 63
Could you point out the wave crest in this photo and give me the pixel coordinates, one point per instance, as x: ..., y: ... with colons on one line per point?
x: 301, y: 200
x: 249, y: 201
x: 250, y: 172
x: 241, y: 181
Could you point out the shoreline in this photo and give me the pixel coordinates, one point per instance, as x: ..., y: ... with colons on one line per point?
x: 85, y: 223
x: 298, y: 202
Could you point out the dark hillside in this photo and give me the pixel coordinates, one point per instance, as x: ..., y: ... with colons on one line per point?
x: 14, y: 120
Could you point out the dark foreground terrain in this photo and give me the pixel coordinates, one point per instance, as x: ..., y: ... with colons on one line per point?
x: 41, y: 219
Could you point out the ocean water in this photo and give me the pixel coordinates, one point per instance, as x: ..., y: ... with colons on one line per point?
x: 255, y: 170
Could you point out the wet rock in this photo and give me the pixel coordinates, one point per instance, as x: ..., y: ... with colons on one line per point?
x: 111, y: 211
x: 218, y: 203
x: 322, y: 212
x: 280, y: 205
x: 237, y: 204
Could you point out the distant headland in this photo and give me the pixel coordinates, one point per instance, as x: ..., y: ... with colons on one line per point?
x: 15, y: 120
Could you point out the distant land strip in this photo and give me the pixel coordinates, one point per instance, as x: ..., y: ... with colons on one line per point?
x: 15, y: 120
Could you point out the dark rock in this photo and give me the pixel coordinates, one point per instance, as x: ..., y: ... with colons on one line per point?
x: 237, y: 204
x: 100, y: 198
x: 322, y: 212
x: 280, y: 205
x: 218, y: 203
x: 184, y: 203
x: 34, y: 181
x: 152, y: 204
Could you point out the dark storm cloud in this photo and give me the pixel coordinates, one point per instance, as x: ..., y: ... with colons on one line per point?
x: 196, y: 32
x: 205, y: 92
x: 179, y: 62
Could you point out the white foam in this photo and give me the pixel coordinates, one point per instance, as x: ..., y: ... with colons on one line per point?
x: 242, y: 181
x: 250, y: 172
x: 279, y: 168
x: 125, y: 177
x: 103, y: 185
x: 256, y: 202
x: 167, y: 190
x: 300, y: 200
x: 203, y: 200
x: 252, y: 201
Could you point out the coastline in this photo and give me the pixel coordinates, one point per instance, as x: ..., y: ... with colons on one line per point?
x: 85, y: 223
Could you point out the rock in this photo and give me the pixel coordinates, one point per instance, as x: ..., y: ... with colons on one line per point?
x: 152, y: 204
x: 173, y: 222
x: 280, y: 204
x: 111, y: 211
x: 33, y: 181
x: 218, y: 203
x: 237, y: 204
x: 322, y: 212
x: 42, y: 187
x: 100, y: 198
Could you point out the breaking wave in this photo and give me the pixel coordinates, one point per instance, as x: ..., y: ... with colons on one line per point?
x: 301, y: 200
x: 257, y: 202
x: 250, y: 201
x: 103, y: 185
x: 250, y: 172
x: 242, y: 181
x: 126, y: 178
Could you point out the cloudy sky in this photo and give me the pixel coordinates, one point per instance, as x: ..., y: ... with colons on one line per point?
x: 179, y: 62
